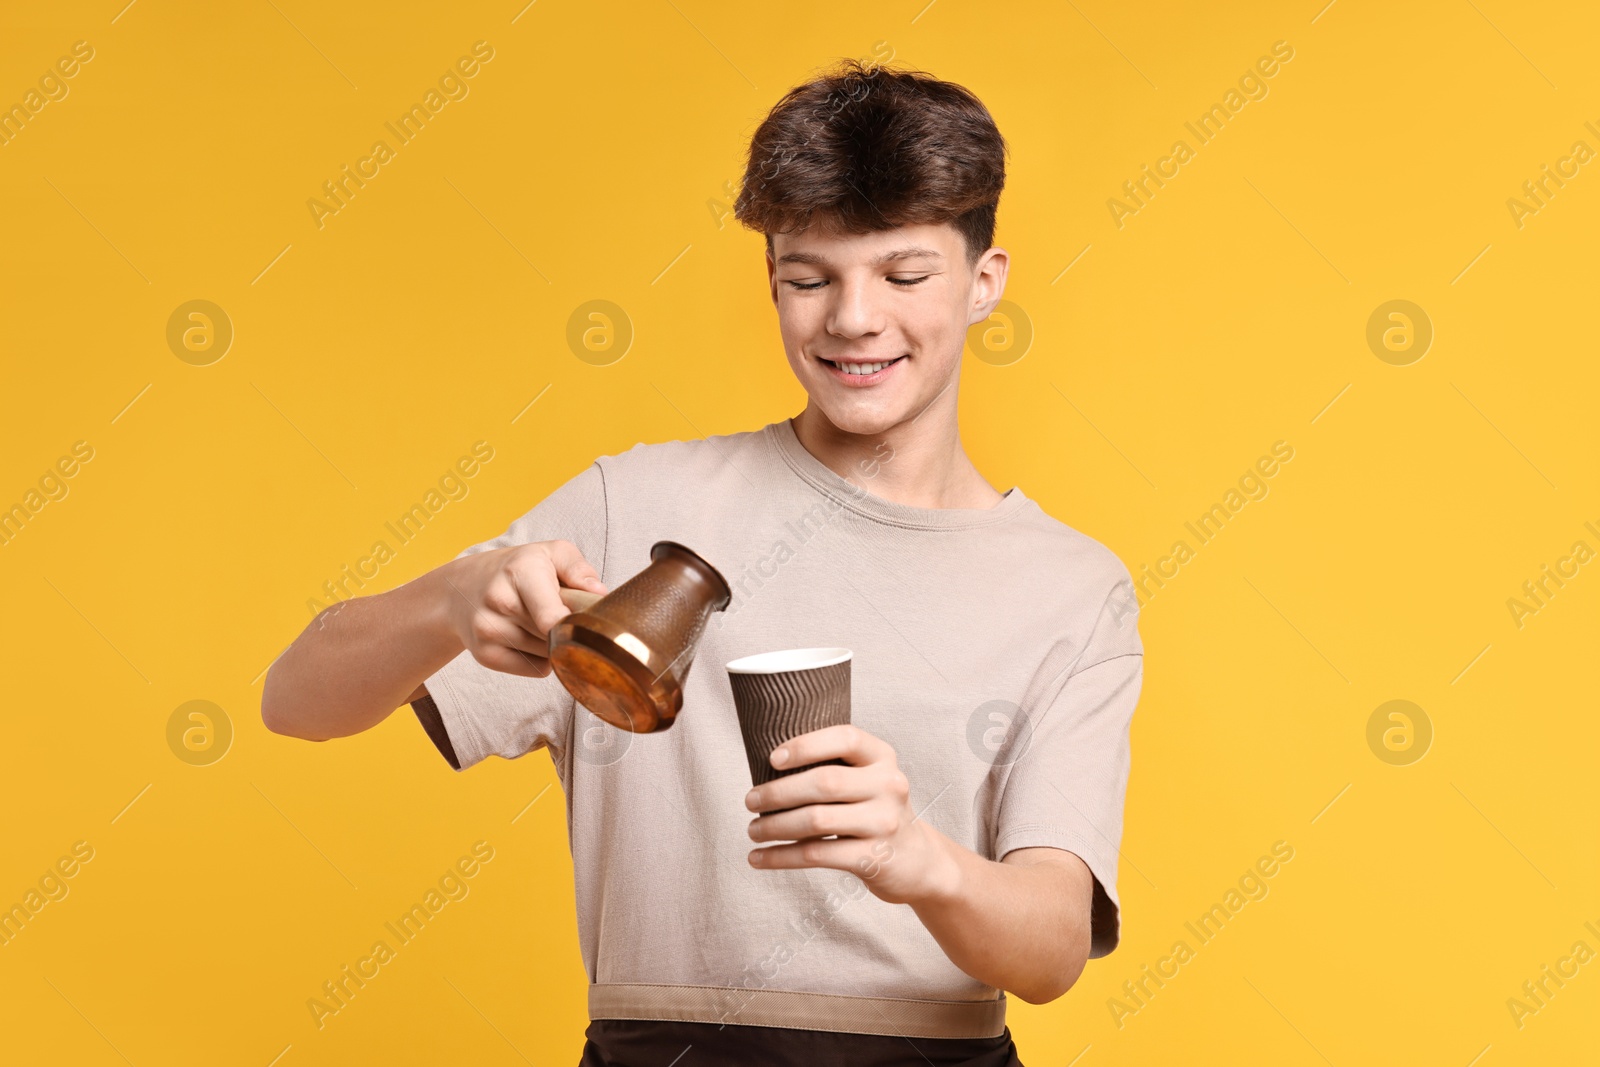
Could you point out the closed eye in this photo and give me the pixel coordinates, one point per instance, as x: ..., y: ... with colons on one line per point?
x: 902, y: 282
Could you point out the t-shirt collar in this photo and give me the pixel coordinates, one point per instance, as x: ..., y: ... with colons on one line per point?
x: 856, y: 494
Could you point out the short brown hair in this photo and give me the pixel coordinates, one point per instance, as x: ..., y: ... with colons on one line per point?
x: 866, y: 148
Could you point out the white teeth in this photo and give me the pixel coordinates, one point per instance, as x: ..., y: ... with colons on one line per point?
x: 863, y: 368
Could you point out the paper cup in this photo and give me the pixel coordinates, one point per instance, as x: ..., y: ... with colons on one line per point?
x: 781, y: 695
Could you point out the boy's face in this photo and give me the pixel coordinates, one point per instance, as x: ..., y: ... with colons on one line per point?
x: 905, y: 297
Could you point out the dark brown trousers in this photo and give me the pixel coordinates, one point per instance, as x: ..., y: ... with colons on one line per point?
x: 643, y: 1043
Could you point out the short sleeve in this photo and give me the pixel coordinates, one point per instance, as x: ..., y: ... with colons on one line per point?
x: 483, y: 712
x: 1069, y: 777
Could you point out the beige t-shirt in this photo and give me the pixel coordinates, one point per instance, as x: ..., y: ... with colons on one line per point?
x: 996, y: 649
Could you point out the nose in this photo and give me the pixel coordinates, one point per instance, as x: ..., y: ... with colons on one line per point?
x: 855, y: 310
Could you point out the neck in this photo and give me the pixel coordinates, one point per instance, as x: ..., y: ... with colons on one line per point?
x: 928, y: 468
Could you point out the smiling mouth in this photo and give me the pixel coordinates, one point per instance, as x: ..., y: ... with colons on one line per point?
x: 862, y: 369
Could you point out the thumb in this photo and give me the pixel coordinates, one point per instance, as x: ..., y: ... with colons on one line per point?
x: 573, y: 570
x: 580, y: 575
x: 583, y: 576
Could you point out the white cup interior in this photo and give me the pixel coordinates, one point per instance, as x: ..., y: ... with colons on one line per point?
x: 790, y: 659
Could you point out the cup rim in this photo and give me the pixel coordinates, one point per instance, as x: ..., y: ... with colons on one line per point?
x: 788, y: 659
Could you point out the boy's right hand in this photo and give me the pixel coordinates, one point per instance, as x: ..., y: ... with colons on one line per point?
x: 503, y: 602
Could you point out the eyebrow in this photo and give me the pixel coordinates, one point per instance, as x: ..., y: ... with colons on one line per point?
x: 908, y: 252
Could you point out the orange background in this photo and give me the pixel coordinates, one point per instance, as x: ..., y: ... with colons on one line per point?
x: 589, y: 160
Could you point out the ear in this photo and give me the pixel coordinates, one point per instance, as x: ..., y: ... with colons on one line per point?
x: 772, y: 279
x: 988, y: 283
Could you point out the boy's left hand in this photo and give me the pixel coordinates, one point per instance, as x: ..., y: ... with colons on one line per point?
x: 865, y: 805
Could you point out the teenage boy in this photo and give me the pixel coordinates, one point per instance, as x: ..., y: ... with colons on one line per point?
x: 968, y: 844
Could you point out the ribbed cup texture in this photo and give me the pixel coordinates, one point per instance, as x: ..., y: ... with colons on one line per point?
x: 775, y: 707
